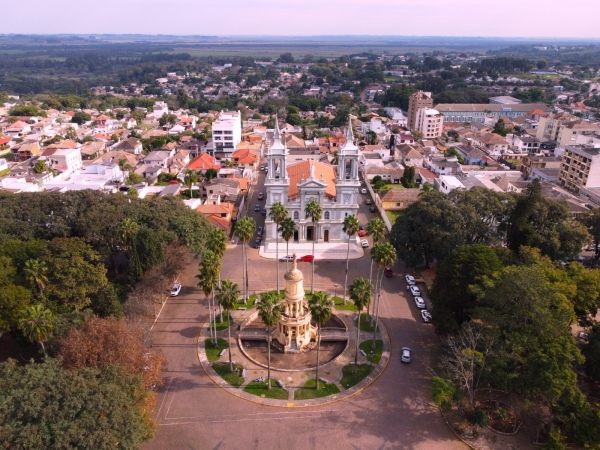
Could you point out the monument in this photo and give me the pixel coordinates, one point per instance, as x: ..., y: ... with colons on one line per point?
x: 294, y: 331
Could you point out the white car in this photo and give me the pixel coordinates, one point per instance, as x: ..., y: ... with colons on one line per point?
x: 262, y: 168
x: 364, y: 243
x: 405, y: 355
x: 420, y: 303
x: 415, y: 291
x: 176, y: 290
x: 426, y: 316
x: 410, y: 279
x: 287, y: 258
x: 363, y: 191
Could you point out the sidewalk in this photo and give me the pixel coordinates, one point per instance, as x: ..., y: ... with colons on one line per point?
x: 322, y: 250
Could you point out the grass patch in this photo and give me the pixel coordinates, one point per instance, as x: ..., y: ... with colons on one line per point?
x: 309, y: 390
x: 249, y: 305
x: 349, y: 306
x: 365, y: 324
x: 349, y: 378
x: 212, y: 352
x: 4, y: 172
x: 393, y: 215
x: 373, y: 356
x: 233, y: 378
x: 260, y: 388
x: 227, y: 322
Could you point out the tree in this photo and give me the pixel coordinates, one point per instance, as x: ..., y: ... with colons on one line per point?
x: 36, y: 324
x: 499, y: 128
x: 351, y: 226
x: 217, y: 243
x: 287, y: 228
x: 591, y: 220
x: 227, y: 297
x: 99, y: 343
x: 591, y: 351
x: 75, y: 272
x: 286, y: 58
x: 278, y: 214
x: 320, y: 306
x: 138, y: 115
x: 167, y: 119
x: 106, y: 303
x: 190, y: 179
x: 384, y: 255
x: 376, y: 229
x: 371, y: 138
x: 132, y: 192
x: 244, y: 230
x: 36, y: 272
x: 208, y: 277
x: 80, y: 117
x: 455, y: 288
x: 40, y: 410
x: 360, y: 293
x: 408, y: 177
x: 211, y: 173
x: 313, y: 210
x: 269, y: 310
x: 40, y: 167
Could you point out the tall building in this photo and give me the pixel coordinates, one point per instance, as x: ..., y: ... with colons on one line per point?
x: 429, y: 122
x: 580, y: 168
x: 227, y: 133
x: 335, y: 188
x: 417, y: 101
x: 477, y: 112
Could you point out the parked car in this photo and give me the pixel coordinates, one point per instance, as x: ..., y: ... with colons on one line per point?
x: 368, y: 202
x: 363, y: 191
x: 264, y: 212
x: 307, y: 258
x: 405, y: 355
x: 261, y: 196
x: 286, y: 258
x: 256, y: 243
x: 410, y: 279
x: 260, y: 229
x: 262, y: 168
x: 364, y: 243
x: 176, y: 290
x: 415, y: 291
x: 372, y: 209
x: 259, y: 236
x: 580, y: 259
x: 257, y: 208
x: 387, y: 271
x: 362, y: 233
x: 360, y: 226
x: 420, y: 303
x: 426, y: 316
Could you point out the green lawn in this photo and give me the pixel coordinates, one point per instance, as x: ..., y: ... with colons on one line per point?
x: 308, y: 391
x: 225, y: 324
x: 349, y: 306
x: 365, y: 324
x: 212, y: 352
x: 372, y: 355
x: 349, y: 378
x: 233, y: 378
x: 259, y: 389
x: 249, y: 305
x: 393, y: 215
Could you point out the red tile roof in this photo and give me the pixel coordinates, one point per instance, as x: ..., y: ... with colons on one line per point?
x: 302, y: 170
x: 204, y: 162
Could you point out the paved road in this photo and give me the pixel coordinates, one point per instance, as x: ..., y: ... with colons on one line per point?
x: 394, y: 412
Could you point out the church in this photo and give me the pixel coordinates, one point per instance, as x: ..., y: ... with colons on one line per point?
x: 336, y: 188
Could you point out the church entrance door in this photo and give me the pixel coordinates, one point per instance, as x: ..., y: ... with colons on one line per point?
x: 296, y: 236
x: 326, y: 236
x: 309, y: 233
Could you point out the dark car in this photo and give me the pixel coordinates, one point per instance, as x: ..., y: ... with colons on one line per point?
x: 368, y: 202
x: 260, y: 229
x: 372, y: 209
x: 264, y: 212
x: 261, y: 196
x: 257, y: 208
x: 388, y: 271
x: 256, y: 243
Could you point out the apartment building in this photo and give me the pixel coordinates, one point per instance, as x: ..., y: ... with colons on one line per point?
x: 227, y: 133
x: 429, y: 122
x: 477, y: 112
x: 565, y: 129
x: 580, y: 168
x: 417, y: 101
x: 531, y: 162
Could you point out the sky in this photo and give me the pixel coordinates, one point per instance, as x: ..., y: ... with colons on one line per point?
x: 507, y: 18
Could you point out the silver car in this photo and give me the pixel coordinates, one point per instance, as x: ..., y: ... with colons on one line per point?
x: 415, y: 291
x: 410, y: 280
x: 426, y: 316
x: 420, y: 302
x: 405, y: 355
x: 176, y: 290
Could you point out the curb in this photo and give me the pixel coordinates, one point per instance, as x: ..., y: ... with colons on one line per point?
x: 463, y: 440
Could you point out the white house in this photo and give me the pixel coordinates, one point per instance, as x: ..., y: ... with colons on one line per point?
x: 159, y: 109
x: 227, y: 133
x: 447, y: 183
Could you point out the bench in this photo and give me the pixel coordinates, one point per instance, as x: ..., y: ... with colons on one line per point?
x: 222, y: 352
x: 323, y: 380
x: 281, y: 385
x: 363, y: 352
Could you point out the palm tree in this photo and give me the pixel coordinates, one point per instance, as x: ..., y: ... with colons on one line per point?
x: 245, y: 230
x: 376, y: 229
x: 190, y: 179
x: 360, y: 293
x: 351, y: 226
x: 207, y: 280
x: 384, y: 255
x: 36, y: 272
x: 287, y: 228
x: 227, y: 298
x: 269, y: 311
x: 36, y: 324
x: 217, y: 243
x: 313, y: 211
x: 320, y: 309
x: 278, y: 214
x: 128, y: 229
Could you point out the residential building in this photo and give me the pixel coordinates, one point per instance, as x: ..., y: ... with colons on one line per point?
x: 391, y: 172
x: 159, y: 109
x: 25, y: 151
x: 398, y: 199
x: 532, y: 162
x: 245, y: 158
x: 217, y: 213
x: 221, y: 186
x: 161, y: 158
x: 477, y: 112
x: 569, y: 132
x: 204, y: 162
x: 444, y: 166
x: 409, y: 155
x: 447, y: 183
x: 417, y: 101
x: 524, y: 143
x: 429, y: 122
x: 130, y: 145
x: 227, y: 133
x: 493, y: 144
x: 472, y: 155
x: 505, y: 100
x: 66, y: 160
x: 580, y: 168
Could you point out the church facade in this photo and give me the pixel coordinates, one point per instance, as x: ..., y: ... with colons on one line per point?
x: 336, y: 188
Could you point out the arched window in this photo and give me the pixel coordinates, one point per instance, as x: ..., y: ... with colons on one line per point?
x: 327, y: 215
x: 296, y: 215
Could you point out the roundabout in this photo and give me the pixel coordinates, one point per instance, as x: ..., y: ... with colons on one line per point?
x: 294, y: 353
